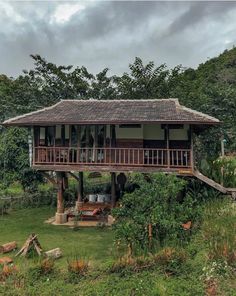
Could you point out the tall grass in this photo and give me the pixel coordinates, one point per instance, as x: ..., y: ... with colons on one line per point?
x: 219, y: 230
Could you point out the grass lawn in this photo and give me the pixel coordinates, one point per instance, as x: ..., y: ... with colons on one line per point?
x: 94, y: 243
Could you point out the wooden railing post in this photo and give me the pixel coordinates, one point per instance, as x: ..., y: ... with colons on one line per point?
x: 168, y: 146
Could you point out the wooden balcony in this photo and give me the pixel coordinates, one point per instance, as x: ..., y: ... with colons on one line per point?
x: 69, y: 158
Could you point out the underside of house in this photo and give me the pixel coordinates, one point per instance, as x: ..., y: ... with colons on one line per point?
x: 116, y: 136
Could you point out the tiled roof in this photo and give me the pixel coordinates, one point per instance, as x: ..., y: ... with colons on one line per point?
x: 113, y: 112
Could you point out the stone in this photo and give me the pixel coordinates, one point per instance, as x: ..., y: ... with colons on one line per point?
x: 110, y: 220
x: 60, y: 218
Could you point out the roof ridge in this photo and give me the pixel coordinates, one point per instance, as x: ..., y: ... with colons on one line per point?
x: 31, y: 113
x: 121, y: 100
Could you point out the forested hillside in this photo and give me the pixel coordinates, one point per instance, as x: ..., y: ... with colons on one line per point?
x: 211, y: 88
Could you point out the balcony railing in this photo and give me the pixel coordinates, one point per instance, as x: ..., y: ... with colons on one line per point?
x: 169, y: 158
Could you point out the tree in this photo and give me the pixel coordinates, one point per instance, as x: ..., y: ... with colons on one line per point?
x: 153, y: 211
x: 144, y: 81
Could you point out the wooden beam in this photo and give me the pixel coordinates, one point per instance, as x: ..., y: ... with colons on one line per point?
x: 109, y: 168
x: 49, y: 178
x: 74, y: 176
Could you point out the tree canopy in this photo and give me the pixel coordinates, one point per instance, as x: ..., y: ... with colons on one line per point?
x: 211, y: 88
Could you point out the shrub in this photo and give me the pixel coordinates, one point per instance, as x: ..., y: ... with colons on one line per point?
x: 4, y: 205
x: 152, y: 214
x: 214, y: 169
x: 44, y: 268
x: 7, y: 270
x: 127, y: 264
x: 36, y: 199
x: 77, y: 267
x: 171, y: 260
x: 30, y: 179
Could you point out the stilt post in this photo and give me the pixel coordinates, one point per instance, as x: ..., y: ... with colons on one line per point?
x: 60, y: 215
x: 80, y: 187
x: 113, y: 189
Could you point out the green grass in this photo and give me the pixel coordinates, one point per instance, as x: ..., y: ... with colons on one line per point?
x: 97, y: 245
x: 94, y: 243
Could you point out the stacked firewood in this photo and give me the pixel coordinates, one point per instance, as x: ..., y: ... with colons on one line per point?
x: 31, y: 243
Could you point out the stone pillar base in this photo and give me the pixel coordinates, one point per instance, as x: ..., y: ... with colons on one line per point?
x: 110, y: 220
x: 78, y: 205
x: 60, y: 218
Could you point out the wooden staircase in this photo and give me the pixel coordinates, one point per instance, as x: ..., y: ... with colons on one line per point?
x: 215, y: 185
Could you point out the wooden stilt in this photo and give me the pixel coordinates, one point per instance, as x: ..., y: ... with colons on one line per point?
x: 60, y: 191
x: 113, y: 189
x: 61, y: 217
x: 65, y: 181
x: 80, y: 187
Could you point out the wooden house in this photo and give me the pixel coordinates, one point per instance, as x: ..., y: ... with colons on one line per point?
x: 112, y: 136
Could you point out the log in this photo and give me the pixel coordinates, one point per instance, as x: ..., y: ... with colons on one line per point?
x: 8, y: 247
x: 5, y: 260
x: 54, y: 253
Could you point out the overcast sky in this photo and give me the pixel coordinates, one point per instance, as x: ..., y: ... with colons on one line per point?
x: 110, y: 34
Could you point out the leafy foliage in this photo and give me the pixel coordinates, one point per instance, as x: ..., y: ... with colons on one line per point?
x: 211, y: 88
x: 154, y: 207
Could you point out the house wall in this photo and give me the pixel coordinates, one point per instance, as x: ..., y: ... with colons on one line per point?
x: 129, y: 133
x: 179, y: 134
x: 148, y: 135
x: 153, y: 132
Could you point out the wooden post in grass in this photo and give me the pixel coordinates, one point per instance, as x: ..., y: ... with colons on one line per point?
x: 150, y: 234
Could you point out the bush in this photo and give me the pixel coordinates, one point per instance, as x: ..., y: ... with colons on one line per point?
x: 30, y: 179
x: 171, y: 260
x: 44, y: 268
x: 214, y: 169
x: 126, y: 264
x: 35, y: 199
x: 77, y: 268
x: 7, y: 271
x: 4, y: 205
x: 152, y: 214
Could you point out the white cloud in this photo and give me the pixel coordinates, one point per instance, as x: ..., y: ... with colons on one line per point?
x: 8, y: 11
x: 64, y: 12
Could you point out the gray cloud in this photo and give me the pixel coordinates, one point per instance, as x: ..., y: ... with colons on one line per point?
x: 111, y: 34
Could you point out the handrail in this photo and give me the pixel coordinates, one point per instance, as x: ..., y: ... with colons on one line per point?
x: 158, y: 157
x: 136, y: 148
